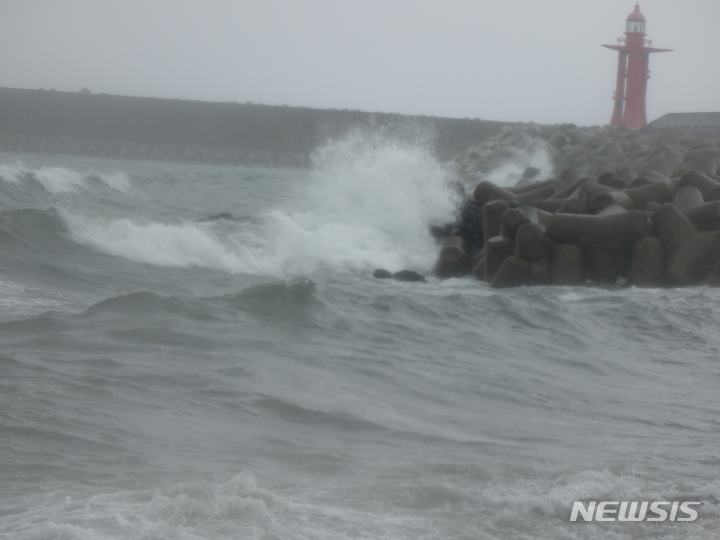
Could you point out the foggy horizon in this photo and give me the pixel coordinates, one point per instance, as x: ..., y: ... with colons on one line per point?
x: 509, y: 62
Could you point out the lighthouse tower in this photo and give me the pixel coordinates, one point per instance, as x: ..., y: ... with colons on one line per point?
x: 633, y: 73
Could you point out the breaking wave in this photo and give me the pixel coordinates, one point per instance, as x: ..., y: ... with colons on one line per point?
x: 367, y: 205
x: 59, y: 180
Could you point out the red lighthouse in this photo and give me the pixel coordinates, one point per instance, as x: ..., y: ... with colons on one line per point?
x: 633, y: 73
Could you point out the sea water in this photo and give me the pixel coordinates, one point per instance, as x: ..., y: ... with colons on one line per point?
x: 168, y: 376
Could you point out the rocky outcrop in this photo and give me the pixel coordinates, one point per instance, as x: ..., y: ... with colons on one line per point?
x: 402, y: 275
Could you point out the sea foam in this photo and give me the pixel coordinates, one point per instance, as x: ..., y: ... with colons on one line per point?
x: 368, y: 204
x: 58, y: 179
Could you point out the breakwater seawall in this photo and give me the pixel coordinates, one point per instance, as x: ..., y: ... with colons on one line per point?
x: 109, y: 126
x: 636, y: 207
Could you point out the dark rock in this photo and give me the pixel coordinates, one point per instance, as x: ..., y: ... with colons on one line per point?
x: 381, y: 273
x: 223, y: 215
x: 408, y: 275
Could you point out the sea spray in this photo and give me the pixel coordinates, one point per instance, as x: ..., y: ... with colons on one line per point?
x: 531, y: 152
x: 503, y: 159
x: 368, y: 202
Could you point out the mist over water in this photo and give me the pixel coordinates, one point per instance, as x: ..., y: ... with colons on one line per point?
x: 169, y: 376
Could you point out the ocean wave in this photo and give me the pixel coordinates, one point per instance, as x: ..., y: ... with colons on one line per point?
x: 388, y: 508
x: 234, y: 509
x: 30, y: 226
x: 59, y: 180
x: 275, y: 297
x: 145, y: 303
x: 280, y: 299
x: 366, y: 206
x: 181, y: 245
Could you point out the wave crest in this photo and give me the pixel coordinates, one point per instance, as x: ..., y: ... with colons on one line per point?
x: 367, y: 204
x: 59, y: 180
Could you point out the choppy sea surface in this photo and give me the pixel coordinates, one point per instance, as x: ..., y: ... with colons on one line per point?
x: 166, y: 376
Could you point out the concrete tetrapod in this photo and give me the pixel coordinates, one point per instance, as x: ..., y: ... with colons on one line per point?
x: 493, y: 212
x: 688, y: 251
x: 706, y: 217
x: 605, y: 265
x: 659, y: 192
x: 592, y: 189
x: 514, y: 272
x: 704, y: 183
x: 539, y: 194
x: 647, y: 263
x: 512, y: 220
x: 531, y: 244
x: 568, y: 267
x: 533, y: 186
x: 485, y: 192
x: 479, y: 269
x: 574, y: 206
x: 603, y: 200
x: 497, y: 250
x: 687, y: 197
x: 569, y: 179
x: 453, y: 259
x: 593, y: 232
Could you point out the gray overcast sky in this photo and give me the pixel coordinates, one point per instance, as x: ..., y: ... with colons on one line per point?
x: 514, y: 60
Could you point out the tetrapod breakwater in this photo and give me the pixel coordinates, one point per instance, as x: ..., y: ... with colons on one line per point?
x: 609, y: 220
